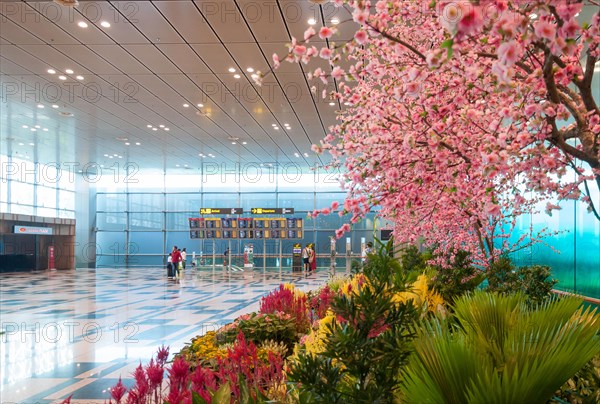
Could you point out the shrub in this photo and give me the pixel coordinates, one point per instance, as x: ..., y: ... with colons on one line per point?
x: 259, y: 327
x: 456, y: 277
x: 357, y: 351
x: 534, y: 281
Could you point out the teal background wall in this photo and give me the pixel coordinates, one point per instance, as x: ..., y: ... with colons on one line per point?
x: 573, y: 254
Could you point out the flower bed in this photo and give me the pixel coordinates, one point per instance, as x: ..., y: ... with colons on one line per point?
x: 382, y: 335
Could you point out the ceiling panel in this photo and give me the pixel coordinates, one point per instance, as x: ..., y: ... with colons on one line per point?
x: 32, y: 19
x: 225, y: 19
x: 151, y: 57
x: 119, y: 14
x: 151, y: 23
x: 120, y: 59
x: 184, y: 57
x: 14, y: 33
x: 190, y: 23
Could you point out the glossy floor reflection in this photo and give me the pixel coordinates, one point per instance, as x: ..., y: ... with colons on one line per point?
x: 76, y: 332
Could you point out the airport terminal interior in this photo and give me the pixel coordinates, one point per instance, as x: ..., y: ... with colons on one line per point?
x: 131, y: 127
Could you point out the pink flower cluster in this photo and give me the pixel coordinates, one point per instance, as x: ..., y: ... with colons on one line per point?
x: 455, y: 119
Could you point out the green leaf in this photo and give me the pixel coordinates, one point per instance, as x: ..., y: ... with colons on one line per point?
x: 223, y: 395
x: 196, y: 399
x: 448, y: 45
x: 432, y: 4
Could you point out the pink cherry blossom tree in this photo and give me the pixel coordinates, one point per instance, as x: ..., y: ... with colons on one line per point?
x: 463, y: 115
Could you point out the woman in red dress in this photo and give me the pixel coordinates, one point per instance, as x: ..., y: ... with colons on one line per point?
x: 312, y: 258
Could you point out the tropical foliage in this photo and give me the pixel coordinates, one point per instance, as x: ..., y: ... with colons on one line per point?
x: 501, y: 350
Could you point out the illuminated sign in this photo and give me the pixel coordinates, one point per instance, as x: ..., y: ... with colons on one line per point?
x: 32, y: 230
x: 221, y: 211
x: 271, y: 211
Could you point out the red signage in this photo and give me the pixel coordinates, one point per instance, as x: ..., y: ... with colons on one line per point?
x: 32, y: 230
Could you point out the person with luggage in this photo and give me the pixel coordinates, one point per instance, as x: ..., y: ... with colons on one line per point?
x: 170, y: 271
x: 176, y: 259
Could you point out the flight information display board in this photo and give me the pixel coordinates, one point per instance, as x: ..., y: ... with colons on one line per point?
x: 246, y: 228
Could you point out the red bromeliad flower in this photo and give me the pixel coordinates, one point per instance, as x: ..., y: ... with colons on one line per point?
x: 118, y: 391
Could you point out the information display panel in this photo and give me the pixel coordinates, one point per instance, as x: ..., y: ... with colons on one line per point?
x: 246, y: 228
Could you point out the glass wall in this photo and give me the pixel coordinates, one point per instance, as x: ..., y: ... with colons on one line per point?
x: 28, y: 188
x: 573, y: 252
x: 137, y: 225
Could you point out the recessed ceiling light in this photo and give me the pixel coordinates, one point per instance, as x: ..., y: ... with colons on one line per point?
x: 154, y: 128
x: 286, y: 124
x: 115, y: 154
x: 231, y: 70
x: 69, y: 71
x: 233, y: 143
x: 137, y: 143
x: 346, y: 103
x: 82, y: 24
x: 45, y: 129
x: 38, y: 126
x: 127, y: 143
x: 332, y: 103
x: 533, y: 16
x: 244, y: 142
x: 54, y: 106
x: 40, y: 106
x: 106, y: 155
x: 105, y: 24
x: 62, y: 77
x: 25, y: 126
x: 335, y: 21
x: 237, y: 76
x: 177, y: 165
x: 200, y: 105
x: 120, y: 157
x: 250, y: 70
x: 276, y: 127
x: 31, y: 144
x: 185, y: 165
x: 186, y: 105
x: 167, y: 129
x: 273, y: 124
x: 79, y: 77
x: 296, y: 154
x: 21, y: 144
x: 161, y: 126
x: 148, y: 126
x: 110, y: 157
x: 33, y: 129
x: 305, y: 154
x: 312, y: 21
x: 51, y: 71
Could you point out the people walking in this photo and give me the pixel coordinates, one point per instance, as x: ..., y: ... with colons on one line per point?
x: 305, y: 257
x: 312, y: 258
x: 226, y: 259
x: 183, y: 257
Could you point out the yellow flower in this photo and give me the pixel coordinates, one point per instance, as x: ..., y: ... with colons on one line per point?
x: 297, y: 292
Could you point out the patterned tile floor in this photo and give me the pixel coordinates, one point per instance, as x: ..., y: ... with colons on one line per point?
x: 76, y: 332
